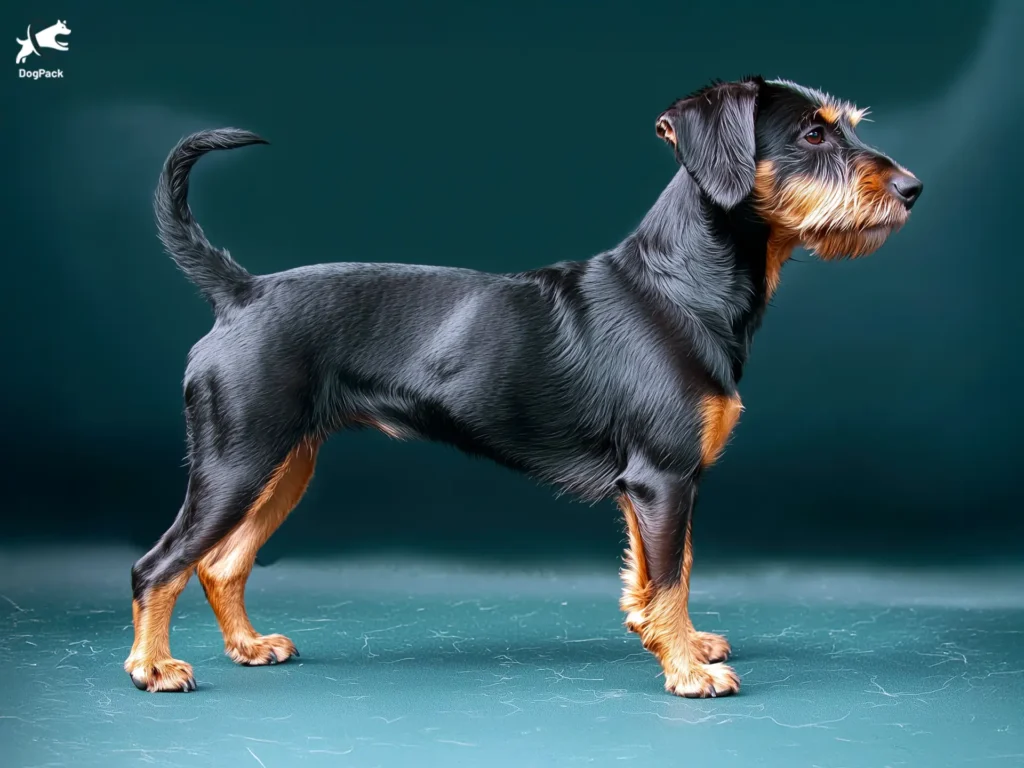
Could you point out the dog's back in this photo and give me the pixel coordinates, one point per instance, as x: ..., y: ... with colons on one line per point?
x: 497, y: 365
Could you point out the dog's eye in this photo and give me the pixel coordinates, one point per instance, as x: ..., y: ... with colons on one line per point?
x: 815, y: 136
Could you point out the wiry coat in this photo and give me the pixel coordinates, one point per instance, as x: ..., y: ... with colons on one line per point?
x: 614, y: 376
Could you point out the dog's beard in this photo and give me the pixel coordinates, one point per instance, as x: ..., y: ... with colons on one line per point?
x: 843, y: 218
x: 853, y: 243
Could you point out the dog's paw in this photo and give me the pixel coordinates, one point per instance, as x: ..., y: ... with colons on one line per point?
x: 703, y: 681
x: 262, y: 650
x: 162, y: 675
x: 714, y: 648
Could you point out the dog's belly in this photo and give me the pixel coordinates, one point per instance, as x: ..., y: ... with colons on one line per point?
x: 580, y: 464
x: 526, y: 425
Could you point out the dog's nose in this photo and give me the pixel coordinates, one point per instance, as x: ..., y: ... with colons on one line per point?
x: 907, y: 188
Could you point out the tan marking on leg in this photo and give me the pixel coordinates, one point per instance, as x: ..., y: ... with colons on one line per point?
x: 661, y: 617
x: 715, y: 648
x: 224, y: 571
x: 636, y: 589
x: 667, y: 633
x: 150, y: 663
x: 135, y: 623
x: 719, y: 414
x: 712, y: 648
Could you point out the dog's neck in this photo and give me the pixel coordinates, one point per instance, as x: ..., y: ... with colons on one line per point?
x: 706, y: 267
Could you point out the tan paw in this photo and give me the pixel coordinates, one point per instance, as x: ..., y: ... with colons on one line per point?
x: 703, y: 681
x: 162, y: 675
x: 715, y: 648
x: 262, y: 650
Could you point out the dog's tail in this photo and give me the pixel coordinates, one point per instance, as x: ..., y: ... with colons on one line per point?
x: 220, y: 279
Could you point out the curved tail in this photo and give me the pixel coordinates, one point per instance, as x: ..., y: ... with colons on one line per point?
x: 220, y: 279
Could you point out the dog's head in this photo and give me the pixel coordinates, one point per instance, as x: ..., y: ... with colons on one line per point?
x: 60, y: 28
x: 794, y: 152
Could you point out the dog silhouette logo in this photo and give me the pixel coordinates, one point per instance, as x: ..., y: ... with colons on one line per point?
x: 45, y: 38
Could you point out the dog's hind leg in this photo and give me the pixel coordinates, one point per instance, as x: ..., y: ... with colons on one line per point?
x: 658, y: 510
x: 249, y: 460
x: 224, y: 570
x: 156, y: 587
x: 235, y: 491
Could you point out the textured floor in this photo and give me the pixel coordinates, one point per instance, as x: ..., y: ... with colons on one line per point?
x: 429, y: 664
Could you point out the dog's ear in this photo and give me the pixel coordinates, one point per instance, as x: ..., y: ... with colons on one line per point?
x: 712, y: 133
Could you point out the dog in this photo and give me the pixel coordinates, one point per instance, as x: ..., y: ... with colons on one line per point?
x: 46, y: 38
x: 613, y: 377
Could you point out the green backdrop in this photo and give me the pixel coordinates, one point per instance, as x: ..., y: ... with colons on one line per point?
x: 883, y: 396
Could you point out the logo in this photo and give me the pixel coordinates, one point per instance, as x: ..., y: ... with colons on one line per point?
x: 33, y: 44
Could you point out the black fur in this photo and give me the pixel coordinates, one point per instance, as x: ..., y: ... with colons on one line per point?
x: 219, y: 278
x: 716, y: 143
x: 587, y: 375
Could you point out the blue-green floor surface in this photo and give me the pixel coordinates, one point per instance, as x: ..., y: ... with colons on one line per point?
x: 408, y: 664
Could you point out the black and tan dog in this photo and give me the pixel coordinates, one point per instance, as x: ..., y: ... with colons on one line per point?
x: 612, y: 377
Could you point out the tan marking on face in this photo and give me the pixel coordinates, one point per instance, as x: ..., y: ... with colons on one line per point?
x: 833, y: 219
x: 764, y: 179
x: 719, y: 414
x: 830, y: 113
x: 224, y: 571
x: 834, y: 112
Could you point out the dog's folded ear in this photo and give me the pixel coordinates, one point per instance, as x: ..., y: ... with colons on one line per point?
x: 712, y: 133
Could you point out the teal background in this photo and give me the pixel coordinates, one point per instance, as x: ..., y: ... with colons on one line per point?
x: 883, y: 396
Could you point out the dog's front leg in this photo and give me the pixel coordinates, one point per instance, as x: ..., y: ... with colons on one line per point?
x: 658, y: 511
